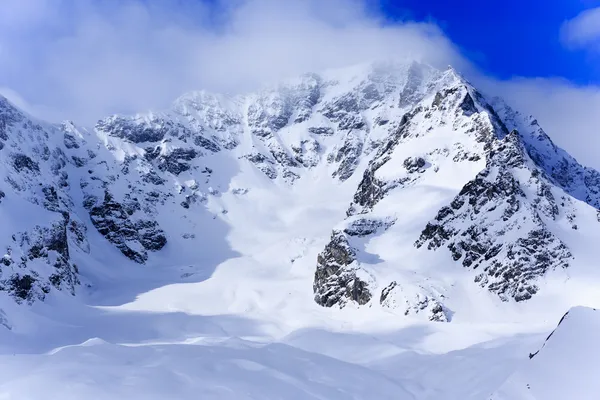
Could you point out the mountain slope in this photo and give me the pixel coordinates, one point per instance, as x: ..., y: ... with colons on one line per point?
x: 391, y: 193
x: 510, y: 199
x: 565, y: 365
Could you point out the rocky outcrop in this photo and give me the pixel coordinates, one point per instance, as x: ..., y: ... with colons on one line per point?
x: 362, y: 227
x: 39, y: 260
x: 415, y: 302
x: 264, y: 164
x: 22, y: 163
x: 336, y: 281
x: 132, y: 238
x: 176, y: 161
x: 307, y: 153
x: 139, y: 130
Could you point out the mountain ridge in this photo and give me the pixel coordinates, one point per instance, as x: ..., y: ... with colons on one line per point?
x: 402, y: 126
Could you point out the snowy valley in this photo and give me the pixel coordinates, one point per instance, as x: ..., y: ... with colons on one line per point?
x: 382, y: 231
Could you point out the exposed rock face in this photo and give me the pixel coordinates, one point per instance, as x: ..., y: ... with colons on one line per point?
x: 37, y: 260
x: 492, y: 208
x: 21, y: 163
x: 336, y: 281
x: 139, y: 131
x: 362, y: 227
x: 131, y: 238
x: 175, y: 161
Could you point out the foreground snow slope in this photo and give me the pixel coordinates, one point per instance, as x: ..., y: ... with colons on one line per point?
x: 565, y: 367
x: 381, y: 231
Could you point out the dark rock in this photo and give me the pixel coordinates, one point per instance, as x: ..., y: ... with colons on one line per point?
x: 153, y: 178
x: 20, y: 286
x: 78, y: 161
x: 151, y: 153
x: 467, y: 228
x: 22, y: 162
x: 206, y: 144
x: 348, y: 157
x: 467, y: 105
x: 46, y: 245
x: 365, y: 227
x: 335, y: 280
x: 150, y: 235
x: 414, y: 164
x: 263, y: 163
x: 70, y: 141
x: 321, y: 131
x: 140, y: 131
x: 174, y: 162
x: 50, y: 198
x: 112, y: 221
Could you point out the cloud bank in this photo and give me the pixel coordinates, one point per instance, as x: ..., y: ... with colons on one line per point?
x: 583, y: 31
x: 84, y: 59
x: 95, y: 58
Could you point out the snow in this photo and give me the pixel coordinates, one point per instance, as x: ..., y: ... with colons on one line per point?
x: 565, y: 367
x: 226, y: 310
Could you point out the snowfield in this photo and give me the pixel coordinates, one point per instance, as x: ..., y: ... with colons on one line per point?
x: 377, y: 232
x: 565, y: 367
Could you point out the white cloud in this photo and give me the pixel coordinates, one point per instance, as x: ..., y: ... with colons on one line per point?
x: 84, y: 59
x: 123, y: 56
x: 583, y: 31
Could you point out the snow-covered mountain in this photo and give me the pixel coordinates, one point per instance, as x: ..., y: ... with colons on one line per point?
x: 388, y: 191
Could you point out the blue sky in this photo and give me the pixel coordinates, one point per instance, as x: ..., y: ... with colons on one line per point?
x: 509, y: 37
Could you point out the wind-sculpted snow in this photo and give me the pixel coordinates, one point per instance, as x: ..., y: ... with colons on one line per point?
x: 564, y: 367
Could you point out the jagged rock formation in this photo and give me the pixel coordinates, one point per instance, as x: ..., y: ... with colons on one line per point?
x: 475, y: 225
x: 336, y: 280
x: 38, y: 260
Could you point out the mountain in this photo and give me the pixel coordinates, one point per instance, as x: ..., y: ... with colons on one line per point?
x: 515, y: 192
x: 374, y: 195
